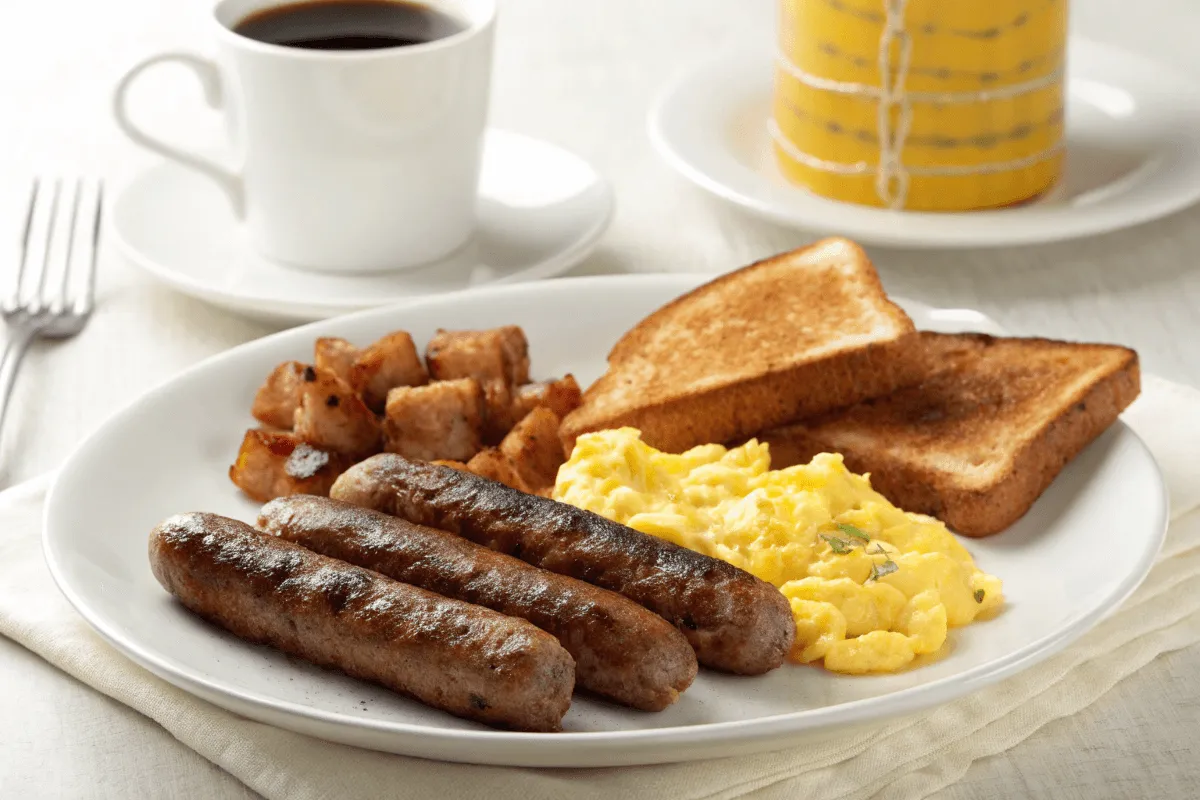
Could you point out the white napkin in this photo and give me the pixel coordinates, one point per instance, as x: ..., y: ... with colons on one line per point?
x: 908, y: 758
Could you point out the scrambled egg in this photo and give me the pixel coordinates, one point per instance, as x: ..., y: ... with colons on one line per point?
x: 871, y: 586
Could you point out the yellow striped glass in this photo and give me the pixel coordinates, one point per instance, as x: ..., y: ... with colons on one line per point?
x: 936, y: 105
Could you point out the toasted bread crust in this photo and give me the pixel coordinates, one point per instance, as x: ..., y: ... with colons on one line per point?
x: 746, y: 388
x: 738, y: 411
x: 907, y: 479
x: 635, y: 338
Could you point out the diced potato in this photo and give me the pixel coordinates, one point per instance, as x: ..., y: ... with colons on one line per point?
x: 494, y: 465
x: 390, y: 362
x: 276, y: 401
x: 335, y: 355
x: 496, y: 354
x: 534, y: 448
x: 274, y: 464
x: 498, y: 359
x: 516, y: 353
x: 332, y: 417
x: 438, y: 421
x: 561, y: 396
x: 498, y: 407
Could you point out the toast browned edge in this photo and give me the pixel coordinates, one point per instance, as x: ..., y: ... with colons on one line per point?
x: 741, y: 409
x: 985, y: 511
x: 631, y: 339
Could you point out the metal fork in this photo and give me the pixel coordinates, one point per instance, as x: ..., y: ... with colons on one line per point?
x: 58, y: 250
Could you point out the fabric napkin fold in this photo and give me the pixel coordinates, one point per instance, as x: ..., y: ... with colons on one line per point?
x: 912, y: 757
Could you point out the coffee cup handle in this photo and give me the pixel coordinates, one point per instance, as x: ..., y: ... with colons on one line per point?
x: 210, y: 80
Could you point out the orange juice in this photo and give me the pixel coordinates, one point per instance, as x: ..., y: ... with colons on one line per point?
x: 934, y: 105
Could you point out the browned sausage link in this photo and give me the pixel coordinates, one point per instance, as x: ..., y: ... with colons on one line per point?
x: 460, y: 658
x: 621, y: 650
x: 733, y: 620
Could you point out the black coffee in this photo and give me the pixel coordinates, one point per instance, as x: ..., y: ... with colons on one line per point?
x: 348, y: 25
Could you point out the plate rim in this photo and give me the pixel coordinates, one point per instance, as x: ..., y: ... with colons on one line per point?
x: 609, y: 747
x: 316, y: 309
x: 862, y: 223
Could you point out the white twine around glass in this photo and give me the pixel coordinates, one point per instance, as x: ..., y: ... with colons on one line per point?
x: 891, y: 174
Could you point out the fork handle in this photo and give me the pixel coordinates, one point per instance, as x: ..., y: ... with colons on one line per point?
x: 19, y: 339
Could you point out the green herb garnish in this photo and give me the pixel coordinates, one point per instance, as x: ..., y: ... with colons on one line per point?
x: 839, y: 546
x: 851, y: 530
x: 843, y: 546
x: 979, y: 595
x: 886, y: 568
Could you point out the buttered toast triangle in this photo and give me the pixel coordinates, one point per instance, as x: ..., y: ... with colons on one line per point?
x: 792, y: 336
x: 983, y: 435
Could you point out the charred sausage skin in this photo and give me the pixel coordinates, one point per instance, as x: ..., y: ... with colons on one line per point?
x: 621, y: 650
x: 734, y: 621
x: 463, y: 659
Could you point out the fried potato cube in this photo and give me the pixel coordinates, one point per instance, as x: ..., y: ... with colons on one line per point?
x: 516, y: 353
x: 276, y: 401
x: 274, y: 464
x: 440, y: 421
x: 332, y: 417
x: 390, y: 362
x: 561, y: 396
x: 497, y: 358
x: 498, y: 408
x: 335, y: 355
x: 492, y: 464
x: 534, y: 448
x: 496, y: 354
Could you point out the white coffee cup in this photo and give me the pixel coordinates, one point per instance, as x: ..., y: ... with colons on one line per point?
x: 347, y: 161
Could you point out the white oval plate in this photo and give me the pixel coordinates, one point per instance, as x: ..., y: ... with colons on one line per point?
x: 542, y: 210
x: 1133, y: 155
x: 169, y: 452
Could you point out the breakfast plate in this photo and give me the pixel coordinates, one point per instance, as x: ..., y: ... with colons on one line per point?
x: 1083, y: 548
x: 541, y: 210
x: 1132, y: 138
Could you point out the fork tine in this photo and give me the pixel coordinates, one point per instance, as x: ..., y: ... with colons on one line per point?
x: 38, y: 303
x: 12, y: 301
x: 62, y: 299
x: 84, y: 304
x: 59, y: 253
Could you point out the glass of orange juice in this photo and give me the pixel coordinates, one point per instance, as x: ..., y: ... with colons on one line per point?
x: 928, y: 105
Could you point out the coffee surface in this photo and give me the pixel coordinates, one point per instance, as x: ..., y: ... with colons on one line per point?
x: 349, y: 25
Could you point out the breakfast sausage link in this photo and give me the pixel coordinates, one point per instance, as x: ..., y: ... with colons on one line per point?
x: 463, y: 659
x: 733, y: 620
x: 621, y: 650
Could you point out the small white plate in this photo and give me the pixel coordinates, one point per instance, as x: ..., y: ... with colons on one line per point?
x: 170, y: 450
x: 541, y: 211
x: 1133, y: 155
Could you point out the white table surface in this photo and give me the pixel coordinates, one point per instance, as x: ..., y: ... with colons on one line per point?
x: 583, y: 75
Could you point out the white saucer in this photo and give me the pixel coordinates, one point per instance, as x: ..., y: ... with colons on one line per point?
x: 541, y: 211
x: 1133, y: 155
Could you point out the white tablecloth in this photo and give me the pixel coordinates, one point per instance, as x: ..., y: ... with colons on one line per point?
x: 582, y: 75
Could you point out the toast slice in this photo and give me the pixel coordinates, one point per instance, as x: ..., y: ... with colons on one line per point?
x: 785, y: 338
x: 983, y: 435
